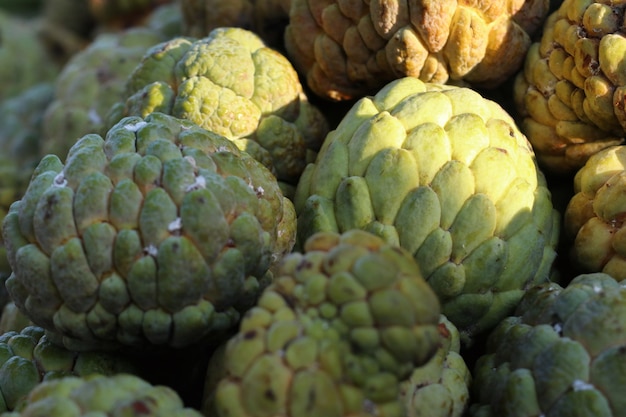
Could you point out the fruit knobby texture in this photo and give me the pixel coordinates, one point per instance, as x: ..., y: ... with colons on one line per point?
x: 231, y: 83
x: 571, y: 93
x: 344, y: 323
x: 27, y: 358
x: 160, y: 234
x: 561, y: 354
x: 447, y: 175
x: 593, y: 224
x: 120, y: 395
x: 347, y: 49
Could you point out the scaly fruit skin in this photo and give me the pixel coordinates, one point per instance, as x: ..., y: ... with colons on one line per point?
x: 21, y: 123
x: 571, y: 91
x: 441, y: 387
x: 121, y: 395
x: 447, y: 175
x: 346, y: 50
x: 344, y: 323
x: 160, y: 235
x: 561, y: 354
x: 593, y: 222
x: 231, y: 83
x: 89, y: 84
x: 27, y: 358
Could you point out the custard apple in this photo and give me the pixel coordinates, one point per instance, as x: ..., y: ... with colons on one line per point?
x: 89, y: 84
x: 441, y: 387
x: 159, y: 235
x: 343, y: 324
x: 571, y: 93
x: 347, y: 49
x: 232, y: 84
x: 562, y: 354
x: 27, y: 358
x: 447, y: 175
x: 97, y: 395
x: 593, y: 222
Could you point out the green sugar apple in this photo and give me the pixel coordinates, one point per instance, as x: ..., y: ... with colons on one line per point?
x: 231, y: 83
x: 28, y: 357
x: 158, y: 235
x: 21, y: 124
x: 96, y: 395
x: 563, y: 353
x: 445, y: 174
x: 89, y: 84
x: 13, y: 319
x: 593, y: 221
x: 344, y: 323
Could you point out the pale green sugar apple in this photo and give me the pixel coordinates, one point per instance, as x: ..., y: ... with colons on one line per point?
x: 231, y: 83
x: 89, y: 84
x: 447, y: 175
x: 593, y: 222
x: 344, y: 323
x: 27, y: 358
x: 441, y: 387
x: 159, y: 236
x: 120, y: 395
x: 563, y: 353
x: 24, y: 59
x: 21, y: 120
x: 571, y: 91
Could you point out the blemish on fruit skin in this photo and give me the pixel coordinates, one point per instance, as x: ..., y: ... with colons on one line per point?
x: 140, y: 407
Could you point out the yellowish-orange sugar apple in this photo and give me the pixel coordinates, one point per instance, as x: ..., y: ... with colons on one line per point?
x: 347, y: 49
x: 571, y: 93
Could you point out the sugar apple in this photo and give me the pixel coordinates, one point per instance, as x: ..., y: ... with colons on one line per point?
x: 159, y: 235
x: 346, y: 50
x: 561, y: 354
x: 343, y: 324
x: 25, y: 61
x: 593, y: 226
x: 441, y: 387
x: 570, y: 93
x: 89, y: 84
x: 447, y: 175
x: 267, y: 18
x: 120, y: 395
x: 21, y: 120
x: 231, y: 83
x: 27, y: 358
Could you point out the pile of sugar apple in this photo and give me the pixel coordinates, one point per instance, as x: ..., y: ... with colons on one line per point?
x: 305, y: 208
